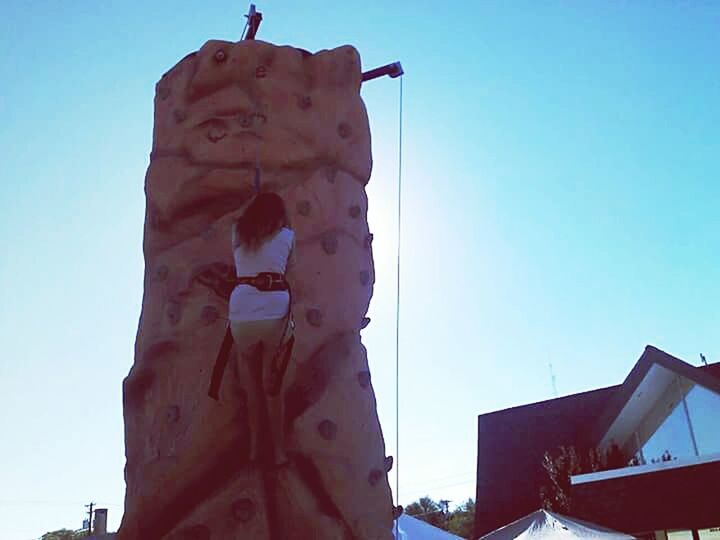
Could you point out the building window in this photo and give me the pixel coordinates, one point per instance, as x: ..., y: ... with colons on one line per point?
x: 686, y: 417
x: 702, y: 534
x: 672, y: 440
x: 679, y: 535
x: 704, y: 409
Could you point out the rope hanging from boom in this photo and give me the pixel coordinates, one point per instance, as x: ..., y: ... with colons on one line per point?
x: 399, y: 509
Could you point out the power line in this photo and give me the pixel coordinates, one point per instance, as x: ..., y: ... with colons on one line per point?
x: 53, y: 503
x: 49, y: 503
x: 425, y: 492
x: 443, y: 479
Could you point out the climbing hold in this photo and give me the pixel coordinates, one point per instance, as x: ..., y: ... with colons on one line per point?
x: 304, y: 102
x: 374, y: 477
x: 246, y: 120
x: 388, y: 463
x: 314, y: 317
x: 268, y: 59
x: 354, y: 211
x: 261, y: 72
x: 215, y: 134
x: 344, y: 130
x: 137, y: 385
x: 180, y: 115
x: 330, y: 243
x: 209, y: 315
x: 161, y: 273
x: 220, y: 56
x: 327, y: 430
x: 164, y: 92
x: 243, y: 510
x: 365, y: 321
x: 364, y: 277
x: 174, y: 312
x: 364, y: 378
x: 369, y: 240
x: 156, y: 221
x: 303, y: 208
x: 398, y: 511
x: 172, y: 414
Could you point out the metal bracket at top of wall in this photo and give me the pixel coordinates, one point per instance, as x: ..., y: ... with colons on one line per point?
x: 254, y: 18
x: 393, y: 71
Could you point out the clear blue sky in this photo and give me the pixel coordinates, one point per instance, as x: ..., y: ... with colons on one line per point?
x: 560, y: 204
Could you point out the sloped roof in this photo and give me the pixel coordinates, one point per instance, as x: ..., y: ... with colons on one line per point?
x: 416, y: 529
x: 542, y: 524
x: 651, y: 356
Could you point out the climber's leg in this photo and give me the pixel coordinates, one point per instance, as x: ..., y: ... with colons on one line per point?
x: 249, y: 371
x: 257, y: 342
x: 275, y: 402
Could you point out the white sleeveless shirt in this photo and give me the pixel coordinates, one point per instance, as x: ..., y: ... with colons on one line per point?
x: 248, y: 303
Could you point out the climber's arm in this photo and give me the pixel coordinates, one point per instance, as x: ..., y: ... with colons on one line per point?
x: 241, y: 211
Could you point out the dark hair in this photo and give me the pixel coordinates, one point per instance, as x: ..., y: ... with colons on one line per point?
x: 264, y: 217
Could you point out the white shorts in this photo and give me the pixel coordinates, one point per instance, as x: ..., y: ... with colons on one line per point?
x: 249, y: 304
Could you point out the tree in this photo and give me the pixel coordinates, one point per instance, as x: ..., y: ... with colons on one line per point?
x: 555, y: 496
x: 63, y: 534
x: 427, y: 510
x: 437, y: 513
x: 462, y: 519
x: 565, y: 462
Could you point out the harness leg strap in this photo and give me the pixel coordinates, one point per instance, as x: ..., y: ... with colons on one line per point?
x: 220, y: 364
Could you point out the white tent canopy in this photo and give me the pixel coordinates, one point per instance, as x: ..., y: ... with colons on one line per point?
x: 542, y: 524
x: 410, y: 528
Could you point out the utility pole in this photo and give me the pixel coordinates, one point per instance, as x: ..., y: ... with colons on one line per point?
x: 90, y: 512
x: 445, y: 507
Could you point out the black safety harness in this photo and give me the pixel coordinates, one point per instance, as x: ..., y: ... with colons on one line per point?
x: 264, y: 281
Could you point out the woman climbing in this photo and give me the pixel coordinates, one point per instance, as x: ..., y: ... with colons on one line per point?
x: 259, y: 311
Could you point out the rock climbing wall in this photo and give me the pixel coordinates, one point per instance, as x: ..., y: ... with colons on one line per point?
x: 299, y: 117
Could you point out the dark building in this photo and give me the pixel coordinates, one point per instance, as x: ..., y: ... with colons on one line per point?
x: 662, y: 427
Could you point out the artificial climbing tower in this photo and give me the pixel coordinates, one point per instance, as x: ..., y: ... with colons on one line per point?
x: 223, y: 115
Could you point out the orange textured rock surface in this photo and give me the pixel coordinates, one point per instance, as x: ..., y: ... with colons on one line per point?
x: 219, y: 114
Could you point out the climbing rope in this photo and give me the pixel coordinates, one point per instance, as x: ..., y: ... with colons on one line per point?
x: 397, y: 314
x: 252, y: 20
x: 242, y: 35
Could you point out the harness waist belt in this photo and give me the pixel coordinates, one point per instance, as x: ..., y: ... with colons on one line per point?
x: 265, y: 281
